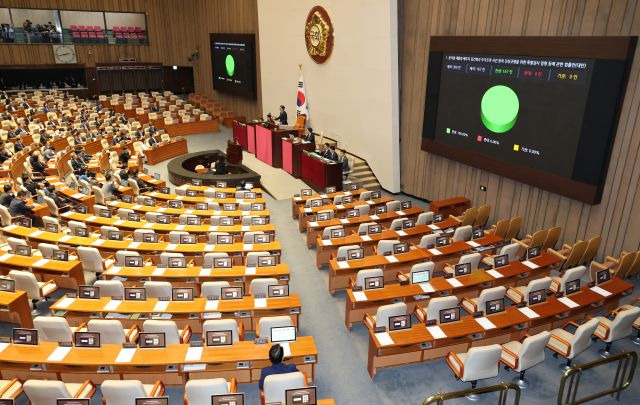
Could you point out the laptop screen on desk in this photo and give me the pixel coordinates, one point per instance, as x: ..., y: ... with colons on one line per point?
x: 151, y: 340
x: 231, y: 293
x: 283, y: 334
x: 24, y: 336
x: 191, y: 193
x: 301, y: 396
x: 202, y: 206
x: 305, y: 192
x: 418, y: 277
x: 177, y: 262
x: 53, y: 228
x: 228, y: 207
x: 222, y: 262
x: 442, y: 241
x: 115, y: 235
x: 603, y: 276
x: 267, y: 261
x: 353, y: 213
x: 533, y: 252
x: 258, y: 221
x: 338, y: 233
x: 450, y: 315
x: 7, y: 284
x: 224, y: 239
x: 194, y: 220
x: 23, y: 250
x: 221, y: 184
x: 133, y: 261
x: 572, y: 286
x: 133, y: 216
x: 402, y: 247
x: 127, y: 199
x: 500, y: 261
x: 373, y: 229
x: 257, y: 206
x: 354, y: 254
x: 163, y: 219
x: 188, y: 239
x: 174, y: 204
x: 150, y: 237
x: 227, y: 399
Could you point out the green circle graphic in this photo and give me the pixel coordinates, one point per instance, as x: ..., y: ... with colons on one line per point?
x: 499, y: 109
x: 230, y: 63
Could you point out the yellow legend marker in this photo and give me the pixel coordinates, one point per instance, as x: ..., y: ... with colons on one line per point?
x: 516, y: 147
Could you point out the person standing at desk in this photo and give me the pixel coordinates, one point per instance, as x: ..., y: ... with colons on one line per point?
x: 282, y: 118
x: 276, y: 354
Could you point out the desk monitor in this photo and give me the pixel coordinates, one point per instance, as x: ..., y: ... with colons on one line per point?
x: 7, y: 285
x: 337, y: 233
x: 188, y: 239
x: 572, y: 286
x: 87, y: 339
x: 257, y: 206
x: 23, y: 250
x: 88, y: 292
x: 603, y: 276
x: 537, y: 296
x: 156, y: 176
x: 165, y: 190
x: 228, y: 207
x: 373, y: 283
x: 114, y: 235
x: 477, y: 233
x: 283, y: 334
x: 220, y: 195
x: 24, y: 336
x: 267, y: 261
x: 221, y: 184
x: 227, y: 399
x: 438, y: 218
x: 152, y: 401
x: 182, y: 294
x: 321, y: 216
x: 163, y: 219
x: 201, y: 206
x: 402, y: 247
x: 500, y: 261
x: 261, y: 238
x: 258, y: 220
x: 219, y: 338
x: 226, y: 221
x: 82, y: 209
x: 105, y: 213
x: 224, y: 239
x: 374, y: 229
x: 177, y: 262
x: 250, y: 195
x: 26, y: 222
x: 53, y: 228
x: 494, y: 306
x: 381, y: 209
x: 353, y: 186
x: 442, y: 241
x: 399, y: 322
x: 462, y: 269
x: 151, y: 340
x: 196, y: 182
x: 353, y: 213
x: 450, y: 315
x: 405, y: 205
x: 347, y: 199
x: 306, y: 192
x: 150, y: 237
x: 301, y: 396
x: 133, y: 216
x: 70, y: 401
x: 194, y: 221
x: 82, y: 232
x: 375, y: 195
x: 222, y: 263
x: 135, y: 294
x: 408, y: 224
x: 8, y: 401
x: 174, y: 204
x: 127, y: 199
x: 133, y: 261
x: 418, y: 277
x: 533, y: 252
x: 231, y: 293
x: 248, y: 185
x: 278, y: 290
x: 148, y: 202
x: 330, y: 190
x: 355, y: 254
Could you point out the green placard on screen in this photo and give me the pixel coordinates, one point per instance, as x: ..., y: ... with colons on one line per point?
x: 499, y: 109
x: 230, y: 63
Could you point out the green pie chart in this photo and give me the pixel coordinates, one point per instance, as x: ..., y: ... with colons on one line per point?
x: 230, y: 63
x: 499, y: 109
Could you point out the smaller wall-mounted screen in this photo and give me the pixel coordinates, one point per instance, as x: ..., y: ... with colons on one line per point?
x: 233, y: 64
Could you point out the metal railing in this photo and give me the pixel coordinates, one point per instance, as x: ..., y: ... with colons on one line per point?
x: 503, y: 388
x: 626, y: 363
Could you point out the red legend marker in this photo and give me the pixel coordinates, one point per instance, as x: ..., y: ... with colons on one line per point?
x: 479, y: 138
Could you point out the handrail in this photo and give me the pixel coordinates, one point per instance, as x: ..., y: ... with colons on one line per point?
x: 574, y: 375
x: 503, y: 388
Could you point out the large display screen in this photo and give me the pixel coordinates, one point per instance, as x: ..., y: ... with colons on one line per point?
x: 233, y: 64
x: 535, y: 111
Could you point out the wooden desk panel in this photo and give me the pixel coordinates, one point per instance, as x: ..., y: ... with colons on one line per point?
x: 300, y: 200
x: 67, y: 274
x: 201, y: 199
x: 451, y: 206
x: 166, y: 151
x: 191, y: 128
x: 179, y: 211
x: 15, y: 308
x: 339, y: 211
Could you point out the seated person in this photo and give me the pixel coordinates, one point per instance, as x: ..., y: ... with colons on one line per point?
x: 276, y: 354
x: 19, y: 207
x: 61, y: 203
x: 37, y: 164
x: 125, y: 156
x: 109, y: 187
x: 309, y: 137
x: 221, y: 165
x: 28, y: 183
x: 7, y: 196
x: 331, y: 154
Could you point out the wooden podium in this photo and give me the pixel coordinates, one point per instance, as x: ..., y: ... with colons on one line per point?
x: 292, y: 155
x: 268, y: 143
x: 319, y: 173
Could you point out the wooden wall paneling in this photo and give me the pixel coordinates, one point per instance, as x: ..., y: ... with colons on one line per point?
x: 617, y: 218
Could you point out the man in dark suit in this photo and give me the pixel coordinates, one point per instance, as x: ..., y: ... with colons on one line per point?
x: 152, y: 141
x: 309, y: 137
x: 282, y: 118
x: 19, y: 207
x: 152, y: 129
x: 276, y: 354
x: 125, y: 156
x: 7, y: 196
x: 154, y: 108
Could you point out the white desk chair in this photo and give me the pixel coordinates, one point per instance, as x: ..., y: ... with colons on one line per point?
x: 112, y: 332
x: 55, y: 328
x: 608, y: 331
x: 569, y: 345
x: 45, y: 392
x: 120, y: 392
x: 110, y: 288
x: 472, y: 305
x: 157, y: 289
x: 214, y: 325
x: 523, y: 354
x: 477, y: 364
x: 263, y: 329
x: 200, y: 391
x: 36, y: 290
x: 275, y: 386
x: 213, y: 288
x: 521, y: 293
x: 472, y: 258
x: 261, y: 285
x: 170, y: 329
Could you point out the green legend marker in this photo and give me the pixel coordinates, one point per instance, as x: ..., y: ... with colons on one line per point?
x: 499, y: 109
x: 230, y: 63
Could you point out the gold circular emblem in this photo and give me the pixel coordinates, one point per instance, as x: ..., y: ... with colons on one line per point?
x: 318, y: 34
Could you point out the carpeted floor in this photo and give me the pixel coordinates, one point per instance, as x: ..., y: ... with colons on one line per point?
x: 343, y: 354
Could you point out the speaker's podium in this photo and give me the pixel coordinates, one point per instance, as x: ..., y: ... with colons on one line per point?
x: 292, y: 155
x: 268, y: 144
x: 320, y: 173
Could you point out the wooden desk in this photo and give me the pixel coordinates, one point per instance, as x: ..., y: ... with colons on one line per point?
x: 325, y: 249
x: 452, y: 206
x: 417, y: 344
x: 15, y: 308
x: 237, y: 215
x: 339, y: 210
x: 200, y: 198
x: 269, y: 144
x: 67, y: 274
x: 149, y: 365
x: 291, y: 155
x: 191, y: 128
x: 298, y: 201
x: 320, y: 174
x: 315, y: 228
x: 339, y: 276
x: 234, y: 153
x: 192, y: 313
x: 514, y: 274
x: 150, y: 180
x: 196, y: 275
x: 166, y: 151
